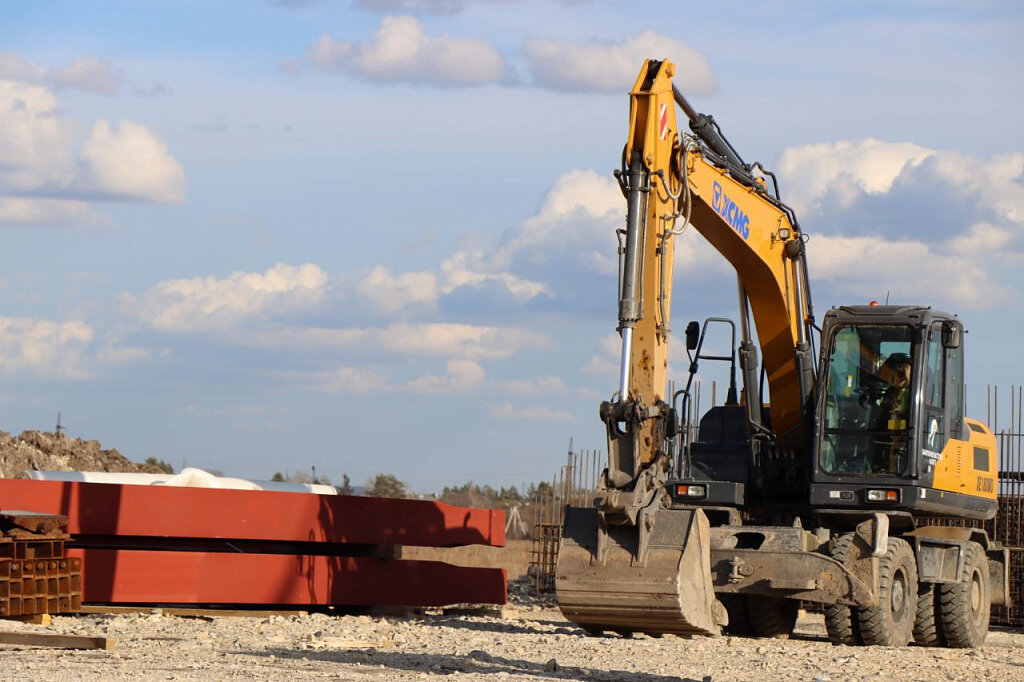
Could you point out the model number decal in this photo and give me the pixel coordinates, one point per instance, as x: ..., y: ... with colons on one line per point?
x: 727, y: 208
x: 985, y: 485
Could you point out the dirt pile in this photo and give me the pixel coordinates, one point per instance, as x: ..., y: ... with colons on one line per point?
x: 44, y: 451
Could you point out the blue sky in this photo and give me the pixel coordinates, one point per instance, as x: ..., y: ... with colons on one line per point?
x: 378, y: 235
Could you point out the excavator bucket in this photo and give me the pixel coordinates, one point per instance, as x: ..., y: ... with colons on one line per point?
x: 614, y: 579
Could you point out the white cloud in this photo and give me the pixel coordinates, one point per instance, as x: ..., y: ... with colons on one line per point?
x: 905, y: 271
x: 415, y: 6
x: 390, y: 293
x: 48, y: 171
x: 459, y: 272
x: 50, y: 212
x: 528, y: 388
x: 208, y: 303
x: 130, y: 162
x: 919, y: 224
x: 433, y: 339
x: 13, y: 67
x: 844, y: 170
x: 462, y: 376
x: 88, y: 74
x: 613, y: 67
x: 401, y: 52
x: 476, y: 343
x: 352, y: 380
x: 606, y: 357
x: 579, y: 214
x: 983, y: 240
x: 35, y: 147
x: 63, y: 350
x: 530, y: 412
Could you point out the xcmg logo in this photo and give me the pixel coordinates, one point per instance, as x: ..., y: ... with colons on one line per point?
x: 727, y: 208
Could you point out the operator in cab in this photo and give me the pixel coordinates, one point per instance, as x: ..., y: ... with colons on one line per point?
x: 895, y: 373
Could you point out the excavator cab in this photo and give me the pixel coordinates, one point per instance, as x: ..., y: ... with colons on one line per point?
x: 867, y: 398
x: 891, y: 431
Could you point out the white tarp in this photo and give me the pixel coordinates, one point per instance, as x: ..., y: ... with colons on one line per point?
x: 189, y: 477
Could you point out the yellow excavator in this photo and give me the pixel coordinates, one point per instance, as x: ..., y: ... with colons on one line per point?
x: 826, y: 489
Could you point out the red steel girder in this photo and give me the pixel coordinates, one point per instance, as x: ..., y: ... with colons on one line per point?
x: 166, y: 511
x: 156, y: 577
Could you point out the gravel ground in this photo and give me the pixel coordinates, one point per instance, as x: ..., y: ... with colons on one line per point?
x: 529, y: 642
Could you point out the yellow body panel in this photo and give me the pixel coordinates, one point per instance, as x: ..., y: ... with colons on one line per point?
x: 969, y: 467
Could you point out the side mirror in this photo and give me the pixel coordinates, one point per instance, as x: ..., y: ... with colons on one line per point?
x: 671, y: 423
x: 950, y: 334
x: 692, y: 335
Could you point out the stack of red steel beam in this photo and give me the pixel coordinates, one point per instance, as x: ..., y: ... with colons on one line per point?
x: 36, y: 577
x: 172, y: 545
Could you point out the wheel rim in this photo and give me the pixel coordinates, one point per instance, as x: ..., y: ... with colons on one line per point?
x: 898, y: 596
x: 977, y: 590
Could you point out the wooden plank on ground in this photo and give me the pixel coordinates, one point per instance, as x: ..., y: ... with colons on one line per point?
x: 55, y: 641
x: 35, y: 619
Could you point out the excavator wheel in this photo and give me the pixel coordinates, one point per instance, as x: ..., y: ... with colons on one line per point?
x: 772, y: 617
x: 841, y: 621
x: 926, y: 627
x: 964, y: 606
x: 891, y: 621
x: 739, y: 615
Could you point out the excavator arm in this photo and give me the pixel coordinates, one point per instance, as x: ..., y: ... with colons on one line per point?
x: 671, y: 180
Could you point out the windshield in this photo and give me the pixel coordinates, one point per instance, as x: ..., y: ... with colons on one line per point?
x: 867, y: 401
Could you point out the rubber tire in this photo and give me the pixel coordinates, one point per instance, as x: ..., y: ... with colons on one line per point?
x: 739, y: 616
x: 964, y: 606
x: 891, y: 621
x: 772, y: 617
x: 841, y: 621
x: 926, y: 624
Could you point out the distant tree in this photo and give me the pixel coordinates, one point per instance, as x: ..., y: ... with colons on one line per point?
x: 301, y: 477
x: 510, y: 495
x: 386, y: 485
x: 160, y: 464
x: 346, y: 485
x: 540, y: 492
